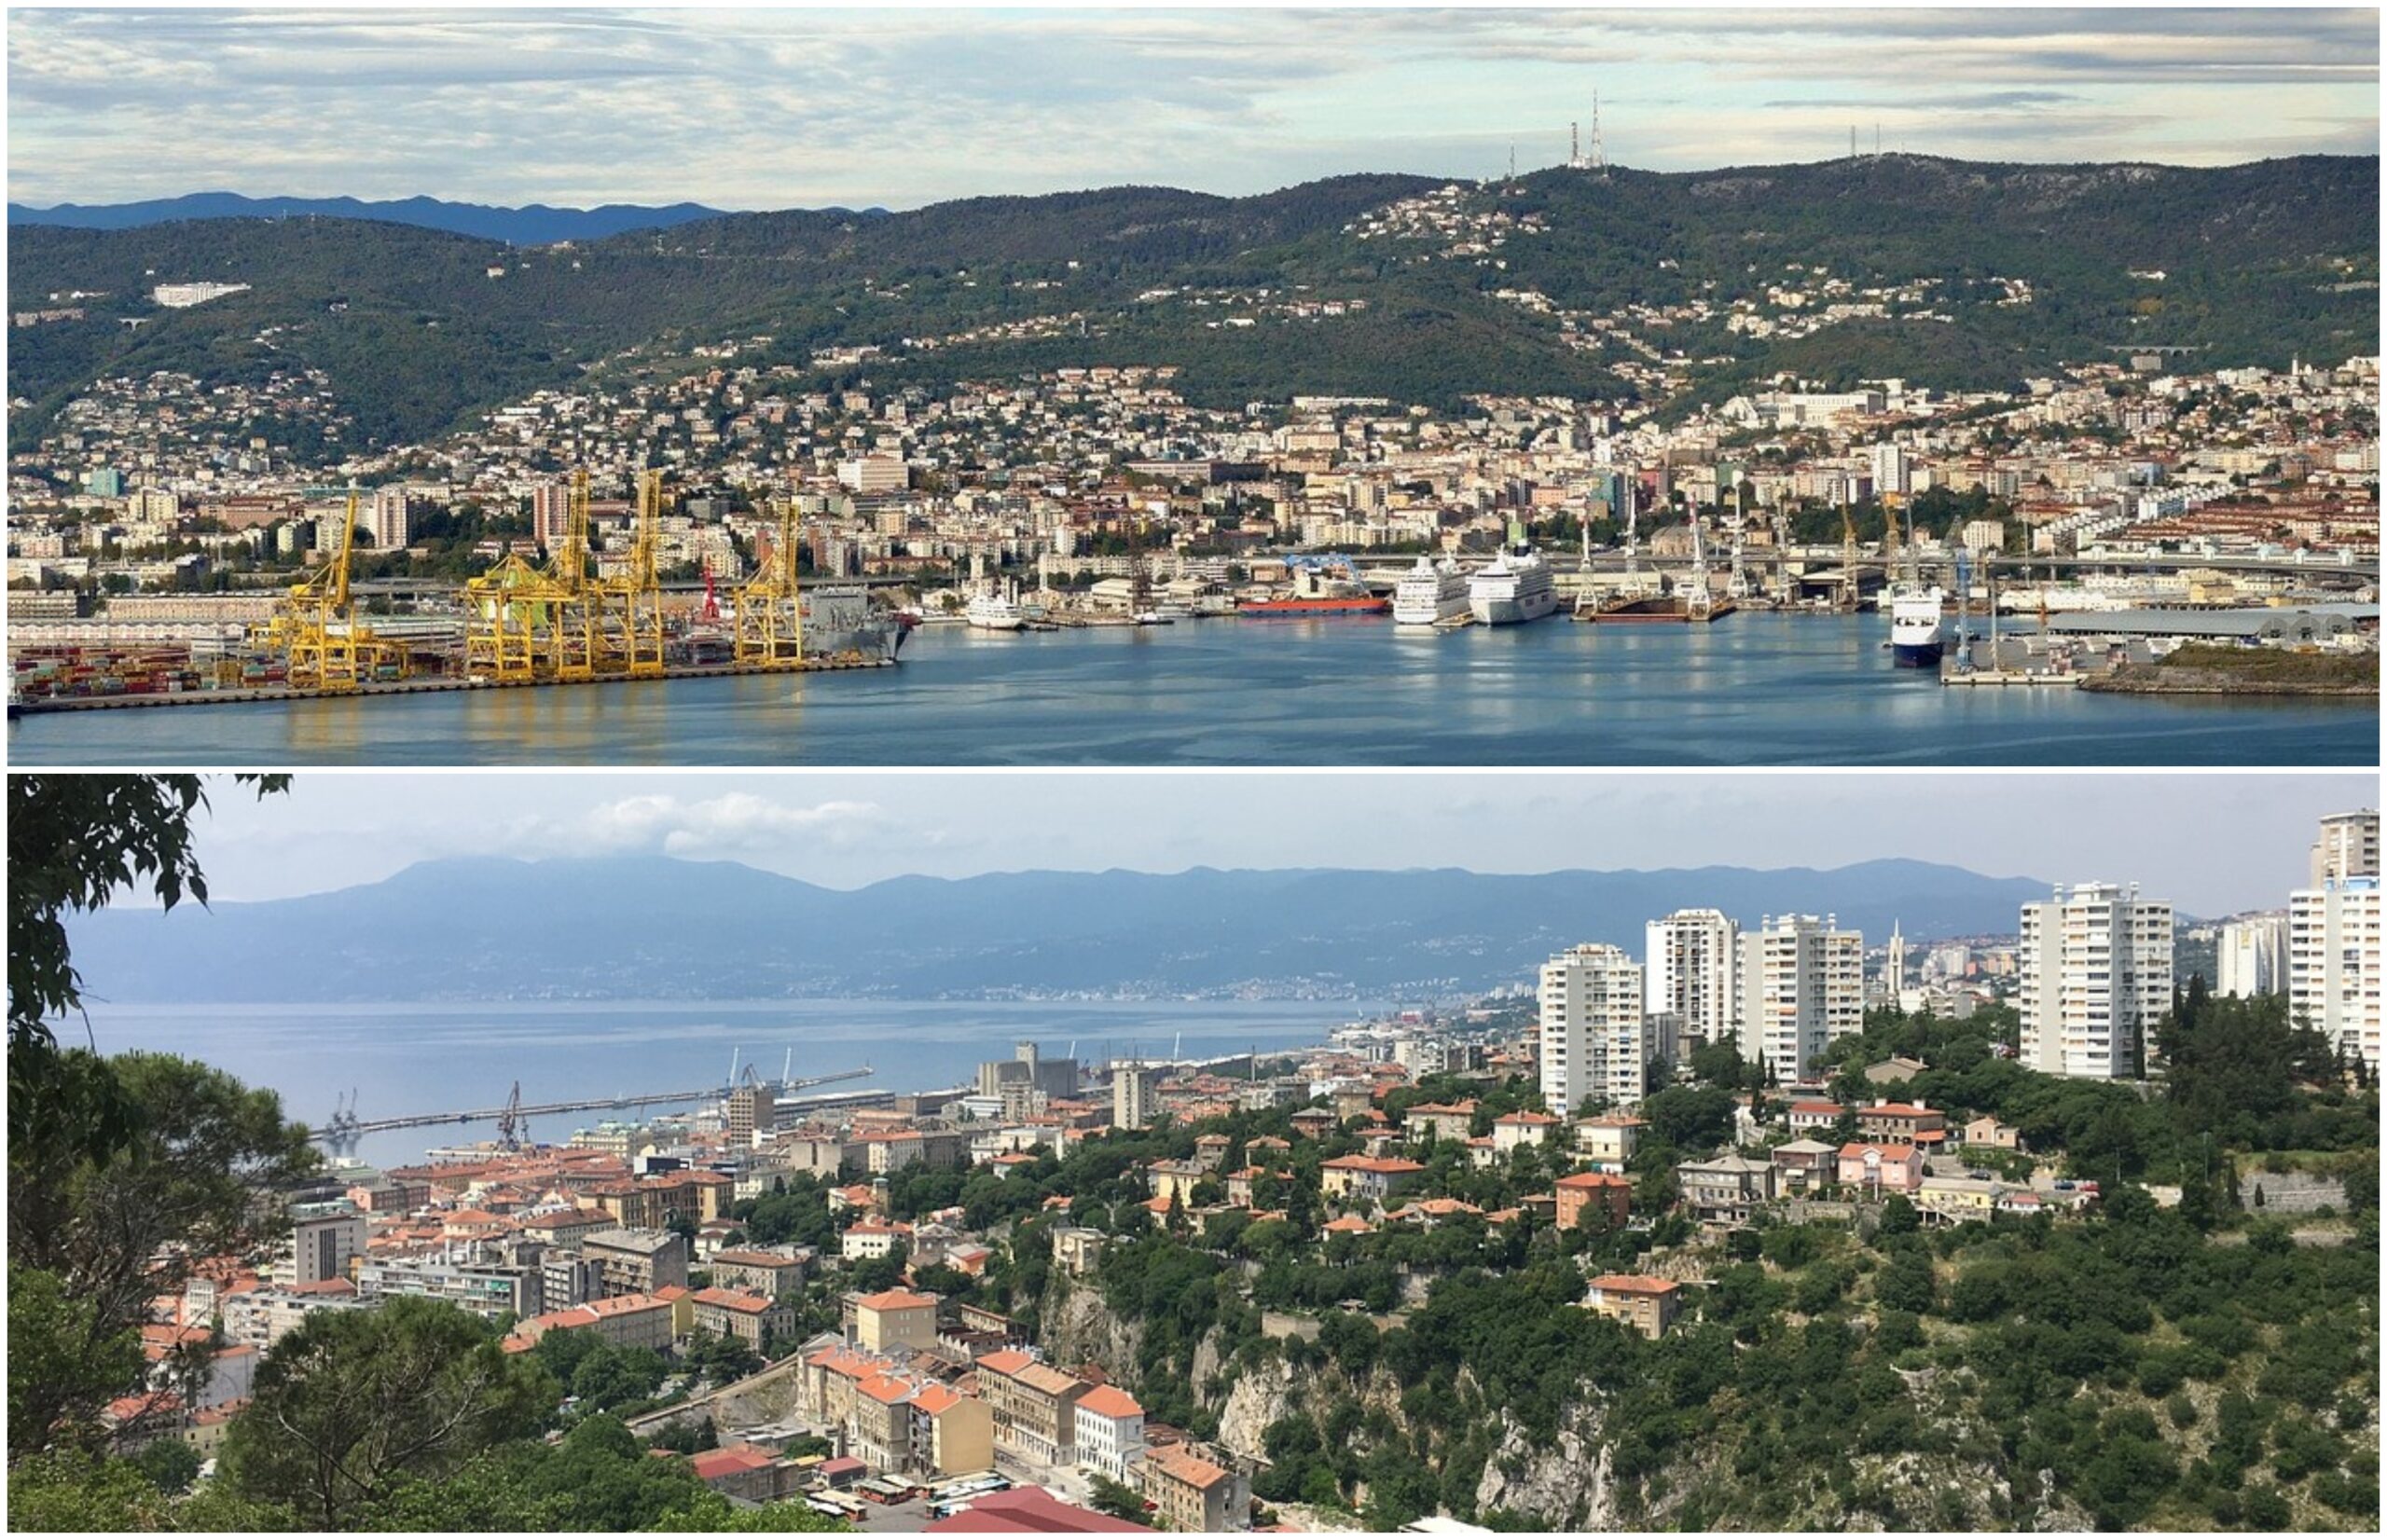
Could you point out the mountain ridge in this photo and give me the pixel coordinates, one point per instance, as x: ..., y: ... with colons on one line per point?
x: 643, y: 926
x: 2257, y: 263
x: 519, y: 225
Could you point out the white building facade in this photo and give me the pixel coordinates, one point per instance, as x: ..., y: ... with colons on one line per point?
x: 1801, y: 984
x: 1594, y: 1030
x: 2333, y: 964
x: 2095, y: 968
x: 1690, y: 974
x: 2251, y: 957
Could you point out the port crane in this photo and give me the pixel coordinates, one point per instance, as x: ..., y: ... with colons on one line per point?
x: 630, y: 605
x: 769, y: 606
x: 345, y: 1126
x: 315, y: 625
x: 1848, y: 588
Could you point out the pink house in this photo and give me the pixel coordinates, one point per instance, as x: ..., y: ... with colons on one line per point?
x: 1880, y: 1168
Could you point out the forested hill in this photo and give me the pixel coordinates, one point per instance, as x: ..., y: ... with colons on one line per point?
x: 2005, y: 270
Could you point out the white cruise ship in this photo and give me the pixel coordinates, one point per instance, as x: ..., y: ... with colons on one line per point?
x: 1918, y: 627
x: 1430, y: 593
x: 1513, y: 588
x: 993, y: 611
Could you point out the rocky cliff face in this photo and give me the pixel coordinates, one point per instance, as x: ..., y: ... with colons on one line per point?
x: 1079, y: 1329
x: 1564, y: 1482
x: 1260, y: 1397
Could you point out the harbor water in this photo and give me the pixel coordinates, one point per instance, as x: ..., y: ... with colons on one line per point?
x: 409, y: 1059
x: 1751, y: 689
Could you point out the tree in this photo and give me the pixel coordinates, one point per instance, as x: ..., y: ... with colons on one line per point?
x: 353, y: 1400
x: 73, y: 842
x: 1120, y: 1501
x: 118, y: 1225
x: 61, y: 1361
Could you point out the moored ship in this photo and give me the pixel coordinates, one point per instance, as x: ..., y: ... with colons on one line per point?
x: 1431, y: 593
x: 1513, y: 588
x: 1918, y: 627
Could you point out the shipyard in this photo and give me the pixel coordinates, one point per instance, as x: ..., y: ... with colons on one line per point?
x: 808, y: 531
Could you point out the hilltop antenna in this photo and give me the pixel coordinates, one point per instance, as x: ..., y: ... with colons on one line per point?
x: 1599, y: 146
x: 1574, y: 147
x: 1877, y: 136
x: 1513, y: 160
x: 1851, y: 141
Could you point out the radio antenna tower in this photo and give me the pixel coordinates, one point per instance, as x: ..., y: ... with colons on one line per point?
x: 1574, y: 147
x: 1599, y: 146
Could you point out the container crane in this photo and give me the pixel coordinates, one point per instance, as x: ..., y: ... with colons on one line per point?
x: 1848, y: 587
x: 572, y: 621
x: 631, y: 603
x: 316, y: 628
x: 770, y: 604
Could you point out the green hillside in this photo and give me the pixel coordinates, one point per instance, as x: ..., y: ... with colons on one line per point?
x: 2260, y: 262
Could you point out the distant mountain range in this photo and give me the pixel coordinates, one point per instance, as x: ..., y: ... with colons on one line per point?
x: 632, y: 927
x: 2006, y: 272
x: 531, y: 224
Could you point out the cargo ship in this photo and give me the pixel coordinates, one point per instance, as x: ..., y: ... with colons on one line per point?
x: 1316, y: 594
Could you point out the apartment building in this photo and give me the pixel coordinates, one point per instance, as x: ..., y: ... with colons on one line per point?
x: 2251, y: 957
x: 1110, y: 1433
x: 2348, y: 846
x: 1801, y: 984
x: 1691, y: 971
x: 894, y: 1319
x: 1366, y: 1178
x: 1595, y: 1040
x: 2095, y: 974
x: 753, y: 1319
x: 2333, y: 964
x: 769, y: 1272
x: 637, y: 1261
x: 1034, y: 1407
x: 1726, y: 1191
x: 1195, y: 1493
x: 326, y: 1243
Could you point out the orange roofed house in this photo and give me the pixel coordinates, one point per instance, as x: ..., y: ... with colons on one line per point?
x: 1193, y: 1493
x: 1648, y: 1305
x: 1372, y: 1179
x: 1034, y: 1406
x: 1597, y: 1192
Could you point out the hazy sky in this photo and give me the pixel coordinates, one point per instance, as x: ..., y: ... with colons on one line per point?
x: 895, y: 106
x: 2210, y: 844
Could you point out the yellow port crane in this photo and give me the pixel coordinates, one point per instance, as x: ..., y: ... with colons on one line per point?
x: 316, y: 630
x: 769, y: 615
x: 513, y: 623
x: 572, y: 620
x: 631, y: 602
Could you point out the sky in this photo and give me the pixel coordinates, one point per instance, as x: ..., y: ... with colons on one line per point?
x: 897, y: 106
x: 2210, y: 844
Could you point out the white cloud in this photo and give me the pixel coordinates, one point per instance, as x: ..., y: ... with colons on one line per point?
x: 736, y: 825
x: 766, y: 108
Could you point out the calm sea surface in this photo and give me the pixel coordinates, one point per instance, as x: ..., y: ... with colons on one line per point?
x: 1751, y: 689
x: 407, y: 1059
